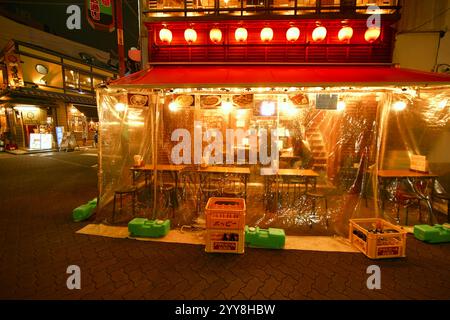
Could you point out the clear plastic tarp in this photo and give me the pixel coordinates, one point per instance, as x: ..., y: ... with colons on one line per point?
x: 305, y: 159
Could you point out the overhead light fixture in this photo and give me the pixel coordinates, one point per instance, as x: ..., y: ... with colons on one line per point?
x: 319, y: 33
x: 41, y: 69
x: 443, y: 104
x: 292, y: 34
x: 341, y: 105
x: 266, y: 34
x: 174, y: 106
x: 345, y: 34
x: 227, y: 106
x: 399, y: 106
x: 120, y: 107
x: 165, y: 35
x: 267, y: 108
x: 215, y: 35
x: 372, y: 34
x: 241, y: 34
x: 190, y: 35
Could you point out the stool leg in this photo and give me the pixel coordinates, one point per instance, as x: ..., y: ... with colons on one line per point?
x: 407, y: 214
x: 420, y: 210
x: 121, y: 203
x: 133, y: 203
x: 448, y: 211
x: 114, y: 209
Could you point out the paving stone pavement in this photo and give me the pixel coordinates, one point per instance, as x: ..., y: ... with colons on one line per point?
x: 38, y: 242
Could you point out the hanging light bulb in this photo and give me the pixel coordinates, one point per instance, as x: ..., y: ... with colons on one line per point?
x: 266, y: 34
x: 319, y: 33
x: 345, y: 34
x: 241, y: 34
x: 399, y: 106
x: 292, y: 34
x: 165, y: 35
x: 190, y: 35
x: 174, y: 106
x: 120, y: 107
x: 267, y: 108
x: 372, y: 34
x: 341, y: 105
x: 443, y: 104
x: 227, y: 106
x: 215, y: 35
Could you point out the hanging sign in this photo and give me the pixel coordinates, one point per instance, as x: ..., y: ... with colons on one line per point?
x: 326, y: 101
x: 15, y: 78
x: 100, y: 14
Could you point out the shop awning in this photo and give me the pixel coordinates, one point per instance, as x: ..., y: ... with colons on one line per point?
x: 204, y: 76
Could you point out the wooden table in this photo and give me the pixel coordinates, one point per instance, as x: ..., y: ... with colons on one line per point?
x: 386, y: 176
x: 288, y: 175
x: 150, y: 168
x: 244, y: 173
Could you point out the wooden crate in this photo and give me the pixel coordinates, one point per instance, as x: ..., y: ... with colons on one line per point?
x: 390, y: 244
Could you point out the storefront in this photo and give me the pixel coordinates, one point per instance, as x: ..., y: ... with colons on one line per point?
x: 306, y: 146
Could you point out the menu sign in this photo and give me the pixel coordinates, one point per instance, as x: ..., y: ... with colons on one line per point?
x: 100, y: 14
x: 326, y: 101
x: 419, y: 163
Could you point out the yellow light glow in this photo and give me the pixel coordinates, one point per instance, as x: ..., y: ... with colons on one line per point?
x: 165, y: 35
x: 268, y: 108
x: 399, y: 106
x: 190, y: 35
x: 443, y: 104
x: 341, y: 106
x: 120, y: 107
x: 215, y: 35
x: 73, y: 110
x: 345, y: 34
x: 372, y: 34
x: 174, y: 106
x: 226, y: 106
x: 241, y: 34
x: 292, y: 34
x: 319, y: 34
x: 266, y: 34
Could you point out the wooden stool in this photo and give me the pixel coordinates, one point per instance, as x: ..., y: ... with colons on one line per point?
x: 126, y: 191
x: 314, y: 196
x: 444, y: 196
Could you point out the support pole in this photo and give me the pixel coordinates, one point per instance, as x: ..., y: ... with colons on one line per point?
x: 120, y: 43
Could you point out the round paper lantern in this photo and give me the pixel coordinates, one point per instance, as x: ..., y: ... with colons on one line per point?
x: 372, y: 34
x: 319, y: 33
x: 266, y: 34
x: 215, y: 35
x: 241, y: 34
x: 165, y: 35
x: 345, y: 34
x: 292, y: 34
x: 190, y: 35
x: 173, y: 106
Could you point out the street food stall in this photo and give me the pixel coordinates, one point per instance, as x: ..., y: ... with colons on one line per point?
x: 307, y: 147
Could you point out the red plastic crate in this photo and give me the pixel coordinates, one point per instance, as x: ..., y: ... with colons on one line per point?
x: 225, y: 241
x: 225, y: 213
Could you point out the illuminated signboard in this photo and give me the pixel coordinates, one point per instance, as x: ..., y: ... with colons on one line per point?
x: 100, y: 14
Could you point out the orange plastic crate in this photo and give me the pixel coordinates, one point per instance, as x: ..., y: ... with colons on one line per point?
x: 377, y: 246
x: 225, y: 213
x: 225, y: 241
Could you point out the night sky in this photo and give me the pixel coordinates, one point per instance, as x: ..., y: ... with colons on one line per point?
x: 51, y: 16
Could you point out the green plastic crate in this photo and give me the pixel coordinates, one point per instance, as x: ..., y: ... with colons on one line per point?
x: 84, y: 211
x: 432, y: 234
x: 265, y: 238
x: 141, y: 227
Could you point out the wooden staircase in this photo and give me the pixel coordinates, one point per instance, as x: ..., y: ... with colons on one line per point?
x: 316, y: 143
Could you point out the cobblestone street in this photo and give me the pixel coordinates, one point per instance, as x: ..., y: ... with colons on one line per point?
x: 38, y: 241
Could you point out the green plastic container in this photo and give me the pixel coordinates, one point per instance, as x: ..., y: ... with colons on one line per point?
x: 265, y: 238
x: 141, y: 227
x: 84, y: 211
x: 435, y: 234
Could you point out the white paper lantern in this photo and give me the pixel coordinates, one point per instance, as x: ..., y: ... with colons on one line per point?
x: 266, y: 34
x: 319, y: 34
x: 292, y: 34
x: 165, y: 35
x: 190, y: 35
x: 215, y: 35
x: 345, y: 34
x: 241, y: 34
x: 372, y: 34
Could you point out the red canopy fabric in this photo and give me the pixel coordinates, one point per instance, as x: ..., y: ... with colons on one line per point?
x: 207, y: 76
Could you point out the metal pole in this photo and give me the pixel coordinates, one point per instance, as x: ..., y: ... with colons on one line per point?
x: 120, y: 44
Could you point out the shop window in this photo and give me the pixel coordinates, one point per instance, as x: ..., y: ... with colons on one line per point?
x: 97, y: 81
x: 234, y: 5
x: 85, y: 82
x: 379, y: 3
x: 72, y: 78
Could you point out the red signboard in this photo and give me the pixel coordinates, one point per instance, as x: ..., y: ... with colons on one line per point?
x: 100, y: 14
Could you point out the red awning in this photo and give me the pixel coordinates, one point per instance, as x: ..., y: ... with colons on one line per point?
x: 204, y: 76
